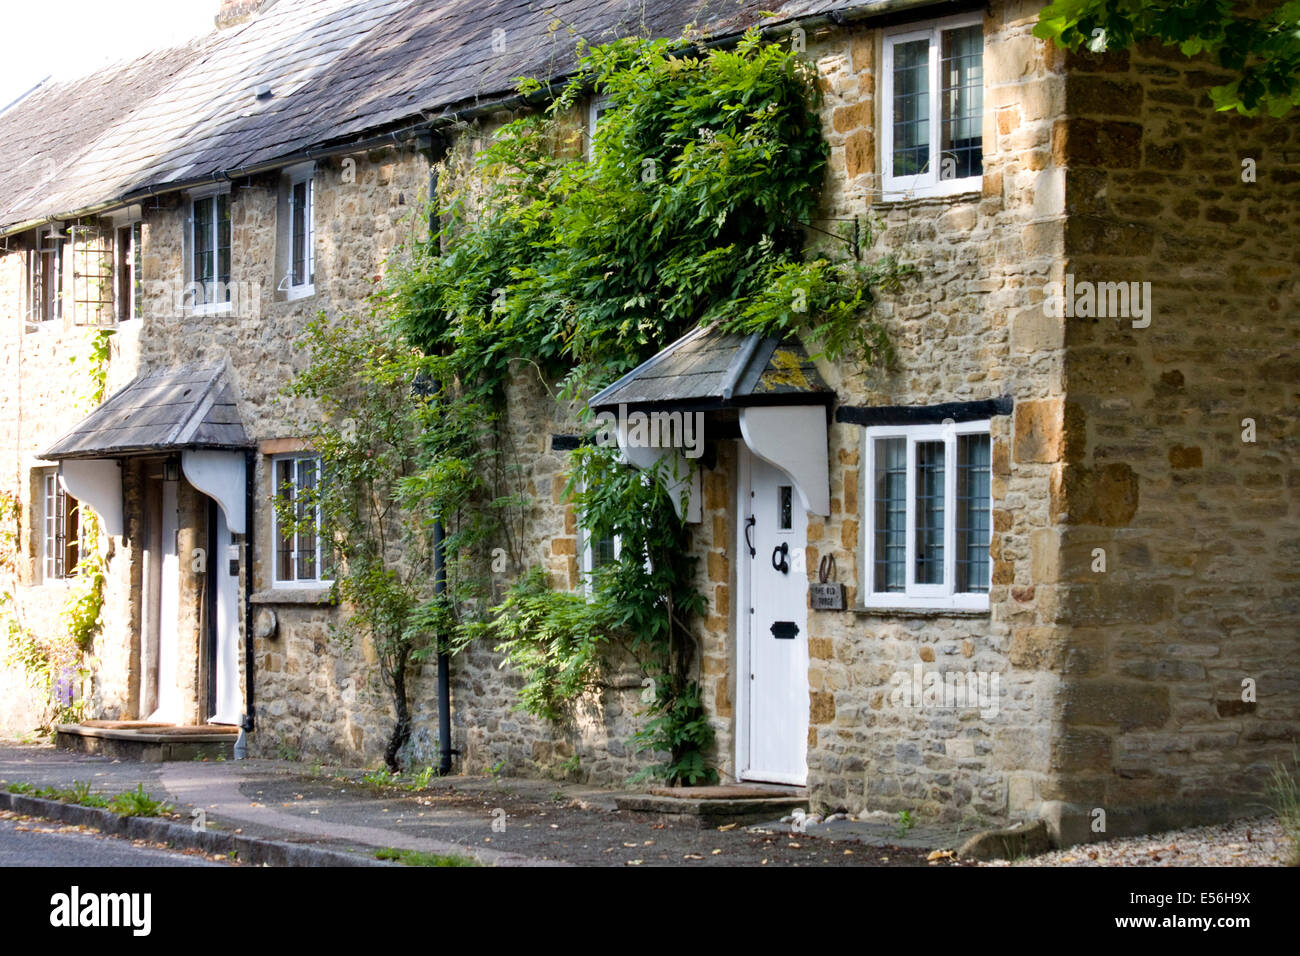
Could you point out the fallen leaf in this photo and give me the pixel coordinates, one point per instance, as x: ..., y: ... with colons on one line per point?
x: 940, y: 855
x: 635, y: 862
x: 716, y: 852
x: 729, y: 826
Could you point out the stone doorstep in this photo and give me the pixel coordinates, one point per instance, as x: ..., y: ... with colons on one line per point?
x: 152, y: 733
x: 711, y: 812
x: 182, y: 836
x: 152, y: 745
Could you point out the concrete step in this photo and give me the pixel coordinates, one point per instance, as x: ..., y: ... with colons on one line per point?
x: 708, y: 807
x: 147, y: 743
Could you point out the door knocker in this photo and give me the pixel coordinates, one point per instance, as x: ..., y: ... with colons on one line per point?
x: 779, y: 562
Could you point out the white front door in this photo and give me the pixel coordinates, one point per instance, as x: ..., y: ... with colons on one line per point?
x: 228, y: 701
x: 774, y: 740
x: 169, y: 691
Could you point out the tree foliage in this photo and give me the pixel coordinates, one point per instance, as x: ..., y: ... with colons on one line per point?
x: 1259, y: 43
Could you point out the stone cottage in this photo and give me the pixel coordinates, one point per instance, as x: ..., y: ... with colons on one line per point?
x: 1043, y: 566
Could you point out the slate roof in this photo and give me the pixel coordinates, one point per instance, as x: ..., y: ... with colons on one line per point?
x: 708, y: 368
x: 188, y: 407
x: 339, y: 71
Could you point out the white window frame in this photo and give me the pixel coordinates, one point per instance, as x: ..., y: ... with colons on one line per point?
x: 36, y: 313
x: 928, y: 183
x: 51, y: 492
x: 595, y: 105
x: 133, y: 255
x: 305, y: 173
x: 295, y: 582
x: 196, y: 196
x: 586, y: 557
x: 919, y: 596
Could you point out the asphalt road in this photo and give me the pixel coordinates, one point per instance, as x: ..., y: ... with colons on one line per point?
x: 61, y: 847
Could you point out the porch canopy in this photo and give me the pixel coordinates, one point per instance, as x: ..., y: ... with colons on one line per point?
x: 765, y: 387
x: 189, y: 410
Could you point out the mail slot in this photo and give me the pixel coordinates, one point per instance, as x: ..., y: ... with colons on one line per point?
x: 784, y: 630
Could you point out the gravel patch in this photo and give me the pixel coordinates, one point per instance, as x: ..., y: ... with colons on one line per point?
x: 1258, y: 841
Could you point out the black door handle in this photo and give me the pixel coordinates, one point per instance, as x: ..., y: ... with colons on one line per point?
x: 781, y: 550
x: 749, y: 526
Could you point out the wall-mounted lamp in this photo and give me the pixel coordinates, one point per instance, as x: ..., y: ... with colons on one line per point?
x: 172, y: 468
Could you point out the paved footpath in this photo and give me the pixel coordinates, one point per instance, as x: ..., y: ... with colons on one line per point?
x: 513, y: 822
x: 498, y: 821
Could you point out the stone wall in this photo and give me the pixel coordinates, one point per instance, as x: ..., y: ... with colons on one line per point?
x: 962, y: 332
x: 1193, y: 512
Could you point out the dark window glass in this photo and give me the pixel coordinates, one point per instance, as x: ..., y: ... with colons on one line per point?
x: 929, y: 512
x: 891, y: 514
x: 911, y: 107
x: 973, y: 524
x: 961, y: 73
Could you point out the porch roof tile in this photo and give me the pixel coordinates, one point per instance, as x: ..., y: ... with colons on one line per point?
x: 191, y: 407
x: 711, y: 368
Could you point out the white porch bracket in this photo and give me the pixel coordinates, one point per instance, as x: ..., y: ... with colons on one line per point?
x: 220, y: 476
x: 793, y: 438
x: 98, y: 483
x: 681, y: 478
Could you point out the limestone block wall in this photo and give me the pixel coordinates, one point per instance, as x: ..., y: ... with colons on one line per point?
x: 1181, y: 438
x: 44, y: 374
x: 963, y: 330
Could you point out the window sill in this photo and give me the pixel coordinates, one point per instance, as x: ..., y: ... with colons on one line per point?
x: 923, y: 612
x: 304, y: 595
x: 966, y: 192
x: 294, y: 293
x: 217, y: 308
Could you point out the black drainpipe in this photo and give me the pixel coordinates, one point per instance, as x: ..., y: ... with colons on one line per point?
x: 250, y: 657
x: 439, y: 554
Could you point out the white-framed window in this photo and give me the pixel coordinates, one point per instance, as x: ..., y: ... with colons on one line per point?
x: 933, y: 94
x: 302, y: 555
x: 300, y: 276
x: 928, y: 501
x: 208, y: 266
x: 128, y: 272
x: 45, y: 276
x: 596, y: 107
x: 60, y: 529
x: 596, y: 553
